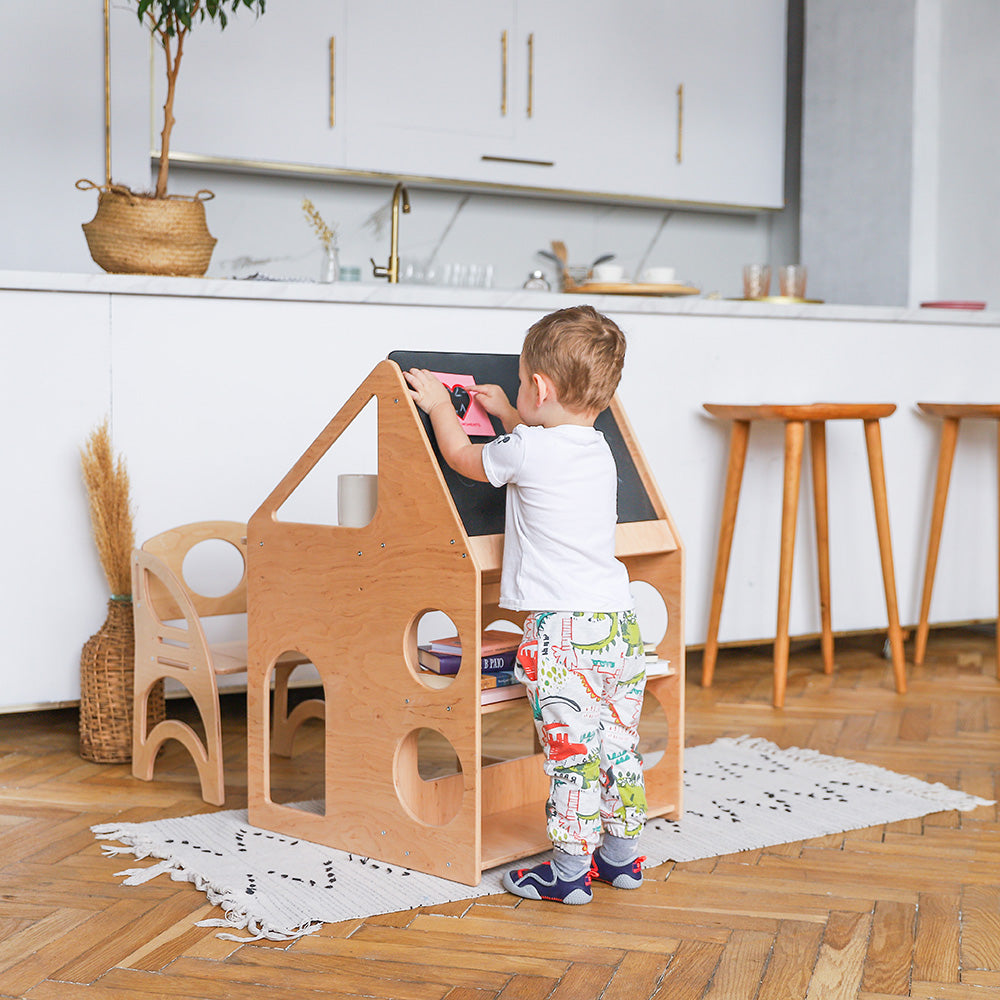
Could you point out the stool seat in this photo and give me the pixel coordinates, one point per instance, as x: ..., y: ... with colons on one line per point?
x: 960, y: 410
x: 802, y: 411
x: 795, y: 417
x: 952, y: 415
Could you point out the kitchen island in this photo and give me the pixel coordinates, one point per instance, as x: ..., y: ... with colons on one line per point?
x: 215, y: 387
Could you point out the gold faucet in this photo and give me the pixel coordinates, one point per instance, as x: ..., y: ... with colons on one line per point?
x: 391, y: 272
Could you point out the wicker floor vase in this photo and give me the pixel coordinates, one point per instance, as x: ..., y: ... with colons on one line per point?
x: 107, y: 669
x: 136, y: 234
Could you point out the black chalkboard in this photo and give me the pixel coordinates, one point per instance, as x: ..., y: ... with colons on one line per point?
x: 480, y: 505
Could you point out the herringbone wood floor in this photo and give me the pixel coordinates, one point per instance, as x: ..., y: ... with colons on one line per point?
x: 906, y: 909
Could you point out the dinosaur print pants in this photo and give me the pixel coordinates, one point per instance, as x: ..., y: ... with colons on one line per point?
x: 585, y: 675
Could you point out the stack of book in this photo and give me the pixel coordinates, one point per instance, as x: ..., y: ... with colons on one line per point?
x: 498, y: 655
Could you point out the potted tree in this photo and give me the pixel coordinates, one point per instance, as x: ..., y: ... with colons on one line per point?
x: 159, y: 233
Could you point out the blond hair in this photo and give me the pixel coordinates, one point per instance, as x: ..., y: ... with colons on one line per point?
x: 581, y: 351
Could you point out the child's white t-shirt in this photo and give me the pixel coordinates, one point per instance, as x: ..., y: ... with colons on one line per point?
x: 562, y: 509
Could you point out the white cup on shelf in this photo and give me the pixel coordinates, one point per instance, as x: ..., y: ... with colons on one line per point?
x: 659, y: 275
x: 357, y: 499
x: 608, y: 273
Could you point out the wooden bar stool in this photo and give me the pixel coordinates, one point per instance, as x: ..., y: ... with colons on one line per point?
x: 795, y: 418
x: 952, y: 414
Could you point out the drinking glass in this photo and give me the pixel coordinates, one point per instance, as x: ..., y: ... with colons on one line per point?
x: 792, y: 281
x: 756, y: 281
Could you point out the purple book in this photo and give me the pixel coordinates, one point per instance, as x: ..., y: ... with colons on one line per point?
x: 448, y: 663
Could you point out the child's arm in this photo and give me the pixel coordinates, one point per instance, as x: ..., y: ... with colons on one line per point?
x: 494, y: 401
x: 457, y: 450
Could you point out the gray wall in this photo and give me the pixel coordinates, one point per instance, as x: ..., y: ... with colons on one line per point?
x: 857, y: 149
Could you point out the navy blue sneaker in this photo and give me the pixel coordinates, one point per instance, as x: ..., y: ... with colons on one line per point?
x: 542, y: 882
x: 627, y: 876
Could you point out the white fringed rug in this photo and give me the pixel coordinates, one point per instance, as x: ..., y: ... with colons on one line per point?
x: 740, y: 794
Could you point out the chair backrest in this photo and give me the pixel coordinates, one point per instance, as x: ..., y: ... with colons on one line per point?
x: 172, y: 546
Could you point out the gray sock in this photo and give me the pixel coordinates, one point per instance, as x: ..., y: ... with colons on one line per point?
x: 619, y: 850
x: 570, y: 867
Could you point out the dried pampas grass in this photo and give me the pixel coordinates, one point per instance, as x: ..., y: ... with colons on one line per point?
x: 110, y: 511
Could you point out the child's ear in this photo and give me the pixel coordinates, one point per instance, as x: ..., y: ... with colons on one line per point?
x: 545, y: 391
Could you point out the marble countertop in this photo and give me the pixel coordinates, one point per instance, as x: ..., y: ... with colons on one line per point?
x: 434, y: 296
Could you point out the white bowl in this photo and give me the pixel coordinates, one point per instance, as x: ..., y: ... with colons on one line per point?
x: 659, y: 275
x: 608, y: 272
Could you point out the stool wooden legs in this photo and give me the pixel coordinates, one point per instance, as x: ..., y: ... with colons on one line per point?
x: 794, y: 441
x: 794, y: 438
x: 734, y: 477
x: 949, y: 436
x: 873, y: 440
x: 817, y: 445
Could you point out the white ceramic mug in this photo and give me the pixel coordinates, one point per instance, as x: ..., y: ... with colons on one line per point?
x: 609, y: 272
x: 659, y: 275
x: 357, y: 498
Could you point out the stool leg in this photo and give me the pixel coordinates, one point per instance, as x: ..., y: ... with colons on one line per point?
x: 734, y: 477
x: 873, y: 440
x: 949, y: 435
x: 794, y: 438
x: 817, y: 447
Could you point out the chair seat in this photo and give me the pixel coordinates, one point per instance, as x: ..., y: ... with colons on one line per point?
x: 231, y: 657
x: 960, y: 410
x: 802, y: 411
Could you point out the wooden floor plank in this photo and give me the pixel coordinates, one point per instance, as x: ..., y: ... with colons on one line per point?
x: 890, y: 949
x: 840, y: 964
x: 793, y: 957
x: 981, y: 926
x: 690, y: 971
x: 936, y: 949
x: 637, y: 977
x: 741, y: 967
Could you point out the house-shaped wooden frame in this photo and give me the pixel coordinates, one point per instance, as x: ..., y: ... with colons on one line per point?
x: 350, y: 599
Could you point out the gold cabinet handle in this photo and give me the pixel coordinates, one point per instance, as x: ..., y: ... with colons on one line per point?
x: 531, y: 72
x: 503, y: 72
x: 680, y: 122
x: 333, y: 81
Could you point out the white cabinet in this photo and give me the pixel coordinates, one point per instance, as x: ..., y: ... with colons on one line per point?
x: 657, y: 99
x: 730, y: 60
x: 549, y: 94
x: 601, y: 108
x: 427, y: 89
x: 267, y: 88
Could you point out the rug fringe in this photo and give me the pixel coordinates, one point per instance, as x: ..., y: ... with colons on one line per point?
x: 236, y: 917
x: 841, y: 767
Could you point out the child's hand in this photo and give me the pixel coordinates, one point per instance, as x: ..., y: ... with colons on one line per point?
x: 426, y: 389
x: 492, y: 398
x: 495, y: 402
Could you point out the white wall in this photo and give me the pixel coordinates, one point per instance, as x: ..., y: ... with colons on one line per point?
x: 53, y: 134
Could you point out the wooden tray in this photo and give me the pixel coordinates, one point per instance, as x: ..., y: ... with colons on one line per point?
x: 628, y: 288
x: 780, y: 300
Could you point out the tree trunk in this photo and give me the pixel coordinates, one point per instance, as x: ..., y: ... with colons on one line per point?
x: 168, y: 109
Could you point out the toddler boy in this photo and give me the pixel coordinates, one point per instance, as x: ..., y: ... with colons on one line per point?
x: 581, y: 656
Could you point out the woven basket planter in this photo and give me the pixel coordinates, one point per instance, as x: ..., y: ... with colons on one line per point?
x: 107, y: 670
x: 136, y: 234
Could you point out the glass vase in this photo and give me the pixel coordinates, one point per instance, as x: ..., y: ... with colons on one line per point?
x: 330, y: 268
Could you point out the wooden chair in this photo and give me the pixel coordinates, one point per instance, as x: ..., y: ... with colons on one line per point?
x: 795, y: 418
x: 170, y: 642
x: 952, y: 415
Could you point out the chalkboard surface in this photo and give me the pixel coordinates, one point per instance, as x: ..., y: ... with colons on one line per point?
x: 480, y: 505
